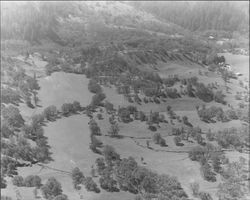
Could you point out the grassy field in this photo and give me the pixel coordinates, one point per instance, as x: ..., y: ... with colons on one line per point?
x: 69, y: 137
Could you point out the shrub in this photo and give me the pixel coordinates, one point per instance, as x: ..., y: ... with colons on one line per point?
x: 99, y: 116
x: 152, y: 128
x: 145, y: 100
x: 33, y: 181
x: 90, y: 185
x: 18, y: 181
x: 142, y: 116
x: 61, y: 197
x: 231, y: 114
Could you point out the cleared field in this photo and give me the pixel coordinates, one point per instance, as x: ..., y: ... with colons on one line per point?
x: 69, y: 139
x: 57, y: 89
x: 239, y: 63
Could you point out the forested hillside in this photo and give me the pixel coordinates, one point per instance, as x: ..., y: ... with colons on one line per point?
x: 218, y: 15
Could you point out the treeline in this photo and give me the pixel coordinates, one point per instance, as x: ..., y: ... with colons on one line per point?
x: 228, y: 16
x: 51, y: 190
x: 16, y: 148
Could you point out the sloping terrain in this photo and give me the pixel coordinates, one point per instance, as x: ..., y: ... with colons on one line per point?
x: 107, y: 75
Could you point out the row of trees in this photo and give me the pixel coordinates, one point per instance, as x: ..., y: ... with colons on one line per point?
x: 79, y: 178
x: 126, y: 175
x: 52, y: 189
x: 203, y: 155
x: 210, y: 114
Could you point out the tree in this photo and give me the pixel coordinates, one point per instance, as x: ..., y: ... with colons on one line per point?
x: 67, y: 109
x: 190, y: 90
x: 94, y: 128
x: 94, y: 87
x: 216, y: 162
x: 9, y: 96
x: 196, y: 153
x: 199, y: 138
x: 37, y: 119
x: 11, y: 115
x: 3, y: 182
x: 108, y: 106
x: 90, y: 185
x: 76, y: 106
x: 195, y: 187
x: 157, y: 138
x: 207, y: 172
x: 33, y: 181
x: 52, y: 188
x: 50, y: 113
x: 219, y: 97
x: 97, y: 99
x: 6, y: 132
x: 110, y: 154
x: 114, y: 130
x: 18, y: 181
x: 225, y: 76
x: 100, y: 163
x: 205, y: 196
x: 61, y: 197
x: 107, y: 182
x: 177, y: 140
x: 210, y: 136
x: 77, y: 176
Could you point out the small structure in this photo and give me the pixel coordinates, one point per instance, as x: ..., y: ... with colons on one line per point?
x: 211, y: 37
x: 227, y: 67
